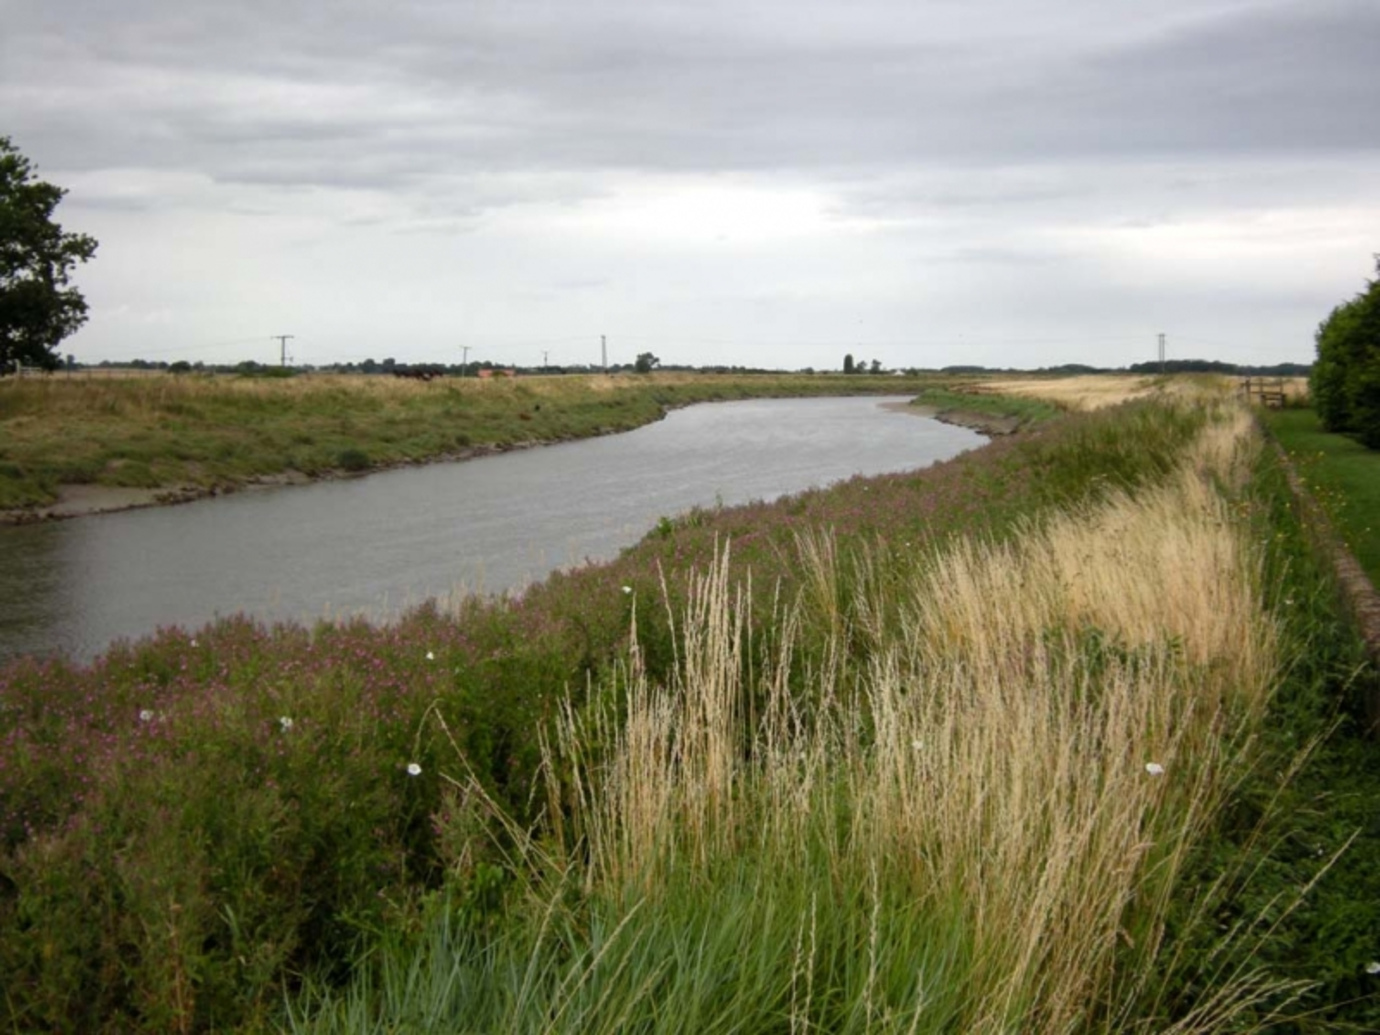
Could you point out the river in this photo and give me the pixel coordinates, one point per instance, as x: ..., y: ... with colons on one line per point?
x: 379, y: 544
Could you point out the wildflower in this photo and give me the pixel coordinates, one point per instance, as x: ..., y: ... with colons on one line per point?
x: 413, y: 769
x: 145, y: 714
x: 193, y: 643
x: 1373, y: 967
x: 430, y: 656
x: 1154, y: 768
x: 917, y: 744
x: 284, y: 723
x: 627, y: 589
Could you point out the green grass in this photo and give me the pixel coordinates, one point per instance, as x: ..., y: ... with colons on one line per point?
x: 222, y: 431
x: 1307, y: 816
x: 1026, y: 410
x: 1342, y: 474
x: 197, y: 868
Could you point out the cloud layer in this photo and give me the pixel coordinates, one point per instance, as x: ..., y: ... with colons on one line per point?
x: 762, y: 183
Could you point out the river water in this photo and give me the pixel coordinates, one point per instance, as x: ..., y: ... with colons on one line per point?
x: 378, y: 544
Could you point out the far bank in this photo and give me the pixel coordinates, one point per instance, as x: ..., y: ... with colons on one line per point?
x: 75, y: 446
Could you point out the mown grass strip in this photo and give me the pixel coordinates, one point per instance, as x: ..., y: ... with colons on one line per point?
x: 1342, y: 475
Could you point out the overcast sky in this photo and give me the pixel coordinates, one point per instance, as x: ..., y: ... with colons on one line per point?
x: 756, y: 182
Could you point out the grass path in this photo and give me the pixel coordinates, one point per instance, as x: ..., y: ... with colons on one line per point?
x: 1342, y: 475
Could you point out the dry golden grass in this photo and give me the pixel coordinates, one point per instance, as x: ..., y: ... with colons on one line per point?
x: 1032, y: 755
x: 1094, y: 391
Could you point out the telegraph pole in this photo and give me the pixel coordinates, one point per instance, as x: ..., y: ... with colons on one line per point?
x: 544, y: 355
x: 1161, y: 353
x: 282, y: 342
x: 604, y: 351
x: 465, y: 361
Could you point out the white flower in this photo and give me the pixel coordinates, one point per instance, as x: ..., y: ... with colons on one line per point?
x: 193, y: 643
x: 1154, y: 768
x: 1373, y: 967
x: 627, y: 589
x: 413, y: 769
x: 145, y: 714
x: 285, y: 723
x: 430, y: 656
x: 917, y: 744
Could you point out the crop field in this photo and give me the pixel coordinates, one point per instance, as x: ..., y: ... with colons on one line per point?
x: 1061, y: 735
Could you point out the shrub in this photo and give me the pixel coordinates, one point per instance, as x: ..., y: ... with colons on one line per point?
x: 1345, y: 383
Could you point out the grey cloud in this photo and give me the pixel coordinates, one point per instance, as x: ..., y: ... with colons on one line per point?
x: 680, y: 87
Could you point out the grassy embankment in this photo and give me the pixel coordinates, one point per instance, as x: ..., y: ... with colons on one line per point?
x: 994, y: 746
x: 1013, y: 411
x: 199, y: 433
x: 1342, y: 475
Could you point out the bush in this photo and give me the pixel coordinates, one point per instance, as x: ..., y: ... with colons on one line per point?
x: 1345, y: 383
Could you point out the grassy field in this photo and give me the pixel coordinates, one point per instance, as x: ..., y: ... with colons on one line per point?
x: 1343, y: 476
x: 203, y: 432
x: 1055, y: 736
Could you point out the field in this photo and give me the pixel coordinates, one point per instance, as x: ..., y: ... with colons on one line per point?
x: 190, y: 434
x: 1060, y: 735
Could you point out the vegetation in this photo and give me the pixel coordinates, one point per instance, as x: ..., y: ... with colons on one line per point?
x: 989, y: 746
x: 1341, y: 474
x: 214, y: 432
x: 1024, y: 410
x: 1345, y: 382
x: 37, y: 307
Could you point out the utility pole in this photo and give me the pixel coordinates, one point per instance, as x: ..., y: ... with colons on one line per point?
x: 282, y: 342
x: 1161, y: 353
x: 465, y: 361
x: 544, y: 355
x: 604, y: 351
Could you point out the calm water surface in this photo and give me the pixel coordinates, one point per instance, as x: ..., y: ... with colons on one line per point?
x: 379, y: 544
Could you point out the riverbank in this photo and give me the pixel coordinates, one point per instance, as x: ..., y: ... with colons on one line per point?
x: 74, y: 447
x: 207, y: 823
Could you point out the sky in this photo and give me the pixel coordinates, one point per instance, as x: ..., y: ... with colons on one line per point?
x: 771, y: 183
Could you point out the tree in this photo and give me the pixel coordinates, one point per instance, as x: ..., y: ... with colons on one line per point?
x: 848, y: 363
x: 645, y: 362
x: 37, y: 308
x: 1345, y: 383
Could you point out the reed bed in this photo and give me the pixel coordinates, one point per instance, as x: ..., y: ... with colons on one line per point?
x: 968, y: 811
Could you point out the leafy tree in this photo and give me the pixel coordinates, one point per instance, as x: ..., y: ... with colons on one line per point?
x: 1345, y: 382
x: 37, y: 308
x: 876, y: 366
x: 848, y: 366
x: 645, y: 362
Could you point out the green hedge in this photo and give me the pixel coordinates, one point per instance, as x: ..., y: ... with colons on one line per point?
x: 1345, y: 383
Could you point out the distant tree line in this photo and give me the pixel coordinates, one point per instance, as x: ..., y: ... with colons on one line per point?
x: 647, y: 362
x: 1345, y: 383
x: 1211, y: 366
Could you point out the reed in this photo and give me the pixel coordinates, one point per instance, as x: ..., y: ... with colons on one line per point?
x: 976, y: 823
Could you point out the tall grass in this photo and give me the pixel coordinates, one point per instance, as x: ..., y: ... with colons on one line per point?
x: 968, y: 810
